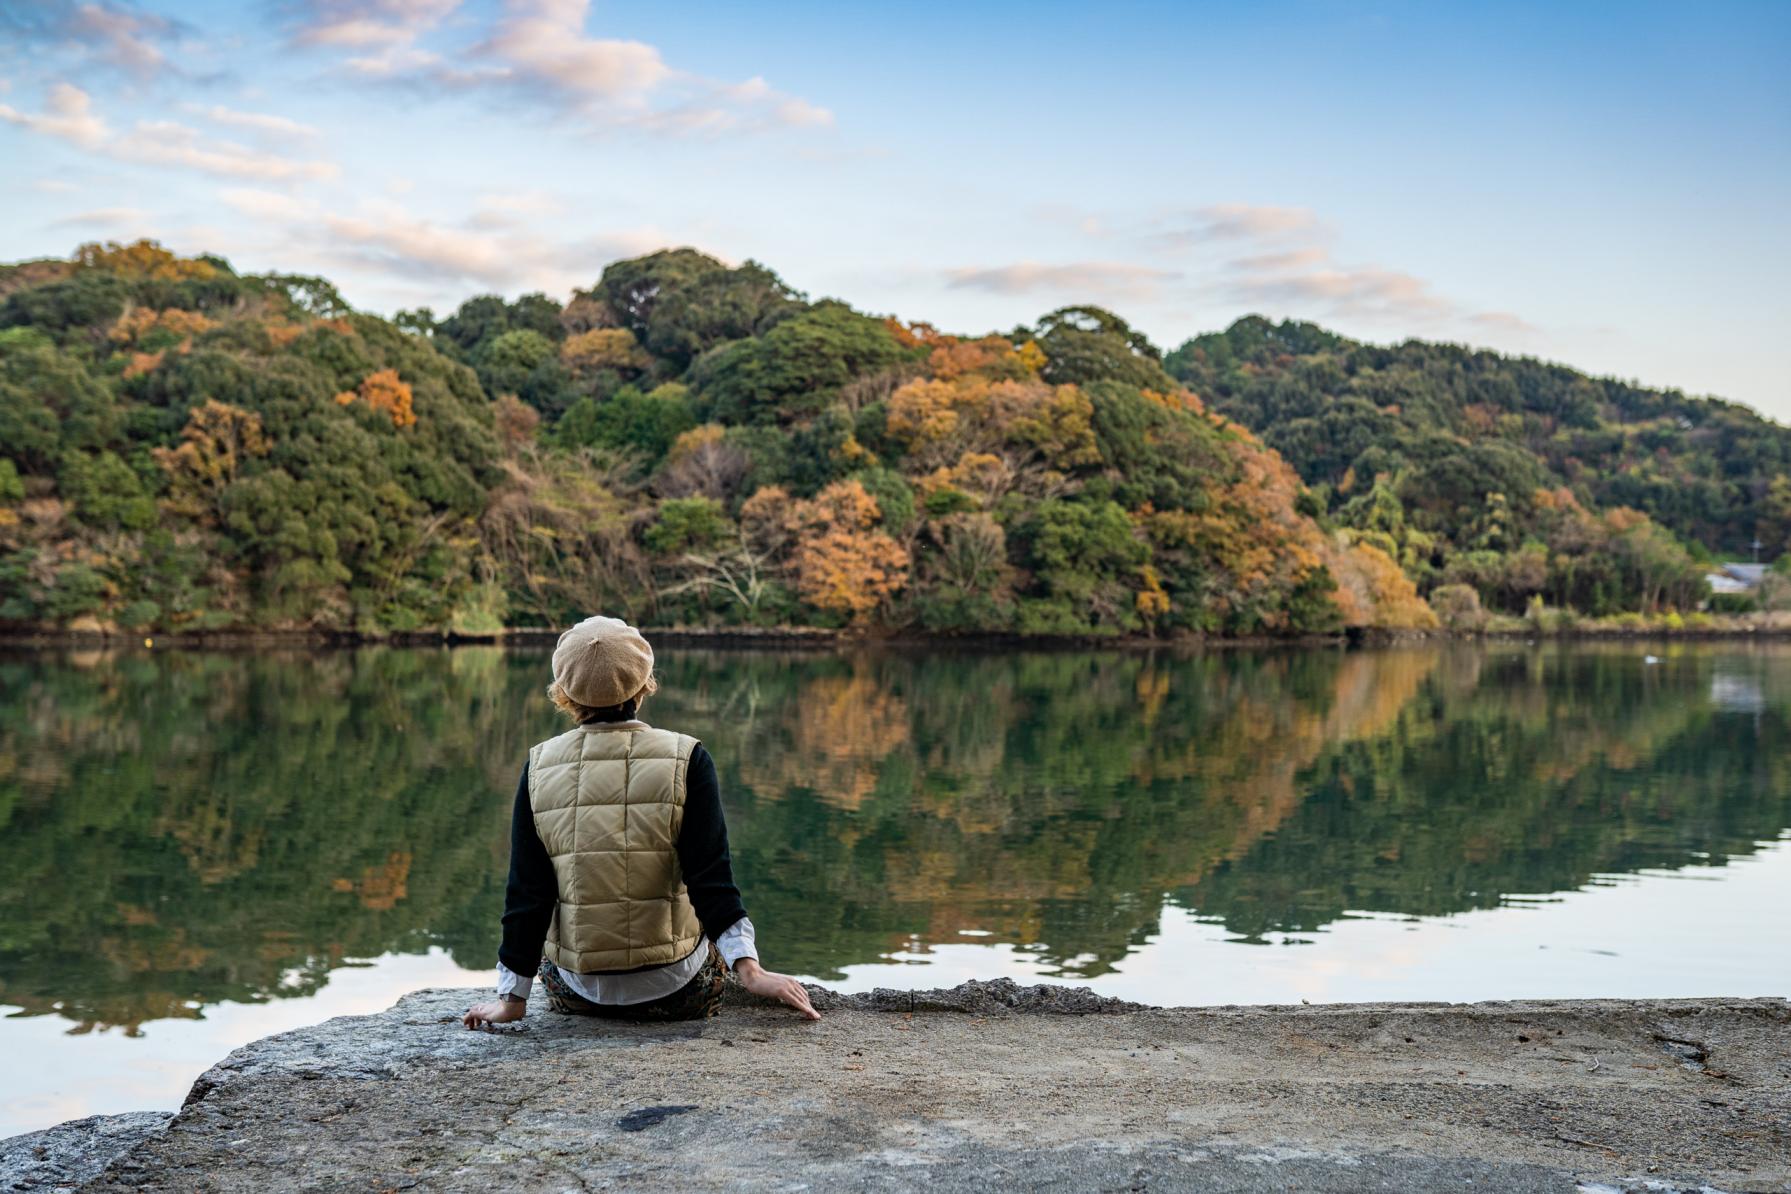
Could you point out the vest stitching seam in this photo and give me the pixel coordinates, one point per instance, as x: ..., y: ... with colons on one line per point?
x: 627, y: 876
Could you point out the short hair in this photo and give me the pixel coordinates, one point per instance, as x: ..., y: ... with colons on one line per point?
x: 588, y: 713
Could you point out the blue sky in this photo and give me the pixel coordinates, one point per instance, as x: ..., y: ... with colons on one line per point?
x: 1601, y: 184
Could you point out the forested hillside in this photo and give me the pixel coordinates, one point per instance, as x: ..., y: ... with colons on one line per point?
x: 687, y: 443
x: 1512, y: 475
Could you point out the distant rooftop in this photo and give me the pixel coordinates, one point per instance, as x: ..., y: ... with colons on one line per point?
x: 1736, y: 578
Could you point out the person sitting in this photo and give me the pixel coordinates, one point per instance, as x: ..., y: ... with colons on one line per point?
x: 621, y: 895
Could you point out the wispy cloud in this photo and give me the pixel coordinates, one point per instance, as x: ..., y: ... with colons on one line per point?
x: 168, y: 143
x: 1243, y: 221
x: 264, y: 123
x: 1102, y: 279
x: 98, y: 32
x: 540, y: 50
x: 1503, y: 321
x: 1357, y: 292
x: 1231, y: 222
x: 387, y: 239
x: 1290, y: 259
x: 543, y: 44
x: 513, y: 209
x: 1288, y: 265
x: 105, y: 217
x: 68, y: 115
x: 360, y: 24
x: 1282, y: 260
x: 267, y: 205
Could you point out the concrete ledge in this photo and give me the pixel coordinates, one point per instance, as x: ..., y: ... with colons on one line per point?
x: 995, y: 1085
x: 63, y: 1157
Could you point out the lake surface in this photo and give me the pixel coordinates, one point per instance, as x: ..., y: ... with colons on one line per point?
x: 202, y: 848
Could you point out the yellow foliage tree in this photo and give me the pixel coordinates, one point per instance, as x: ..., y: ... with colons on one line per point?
x: 143, y: 259
x: 1038, y: 431
x: 604, y: 348
x: 1152, y: 601
x: 216, y: 440
x: 925, y: 412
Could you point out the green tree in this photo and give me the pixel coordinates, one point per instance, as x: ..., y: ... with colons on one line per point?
x: 1086, y: 344
x: 688, y: 524
x: 1774, y: 530
x: 795, y: 369
x: 1082, y: 557
x: 629, y: 421
x: 679, y: 303
x: 105, y: 492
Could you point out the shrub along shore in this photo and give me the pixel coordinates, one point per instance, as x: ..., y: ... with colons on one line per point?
x: 1565, y: 628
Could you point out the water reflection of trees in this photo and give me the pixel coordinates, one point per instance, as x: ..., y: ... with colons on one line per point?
x: 193, y: 827
x: 1058, y: 802
x: 188, y: 828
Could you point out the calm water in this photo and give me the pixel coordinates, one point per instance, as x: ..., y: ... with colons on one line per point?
x: 201, y: 848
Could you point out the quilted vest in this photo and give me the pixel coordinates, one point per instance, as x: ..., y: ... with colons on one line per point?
x: 608, y: 800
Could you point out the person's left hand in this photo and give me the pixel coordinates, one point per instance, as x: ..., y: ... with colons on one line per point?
x: 498, y: 1011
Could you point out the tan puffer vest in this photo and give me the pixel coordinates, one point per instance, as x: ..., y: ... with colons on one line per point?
x: 608, y: 800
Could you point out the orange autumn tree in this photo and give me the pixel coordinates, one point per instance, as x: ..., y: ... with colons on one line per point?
x: 383, y: 391
x: 138, y: 322
x: 1253, y: 545
x: 176, y: 327
x: 840, y: 560
x: 1372, y: 590
x: 515, y: 422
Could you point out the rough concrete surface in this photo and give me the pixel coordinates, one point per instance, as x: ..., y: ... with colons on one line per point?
x: 990, y: 1085
x: 62, y: 1157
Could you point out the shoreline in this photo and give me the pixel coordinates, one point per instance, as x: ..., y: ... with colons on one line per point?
x: 985, y: 1083
x: 803, y: 638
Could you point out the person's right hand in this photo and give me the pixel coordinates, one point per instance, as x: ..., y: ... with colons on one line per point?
x: 498, y: 1011
x: 772, y: 985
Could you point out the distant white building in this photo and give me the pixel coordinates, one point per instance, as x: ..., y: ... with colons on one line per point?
x: 1736, y: 578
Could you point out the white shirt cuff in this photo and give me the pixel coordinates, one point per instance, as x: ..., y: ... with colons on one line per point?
x: 511, y: 983
x: 737, y: 942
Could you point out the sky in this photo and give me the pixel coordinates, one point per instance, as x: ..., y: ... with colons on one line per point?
x: 1605, y: 185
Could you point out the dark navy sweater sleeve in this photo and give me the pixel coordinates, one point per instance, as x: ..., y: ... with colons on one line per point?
x: 531, y: 894
x: 703, y: 849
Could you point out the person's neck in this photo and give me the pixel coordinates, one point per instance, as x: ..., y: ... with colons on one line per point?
x: 611, y: 717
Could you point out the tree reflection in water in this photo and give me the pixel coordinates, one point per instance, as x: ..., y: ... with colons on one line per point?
x: 183, y: 828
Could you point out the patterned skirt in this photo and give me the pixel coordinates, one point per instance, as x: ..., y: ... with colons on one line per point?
x: 698, y: 999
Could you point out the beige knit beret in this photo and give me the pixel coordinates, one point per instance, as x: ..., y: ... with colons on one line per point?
x: 602, y: 662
